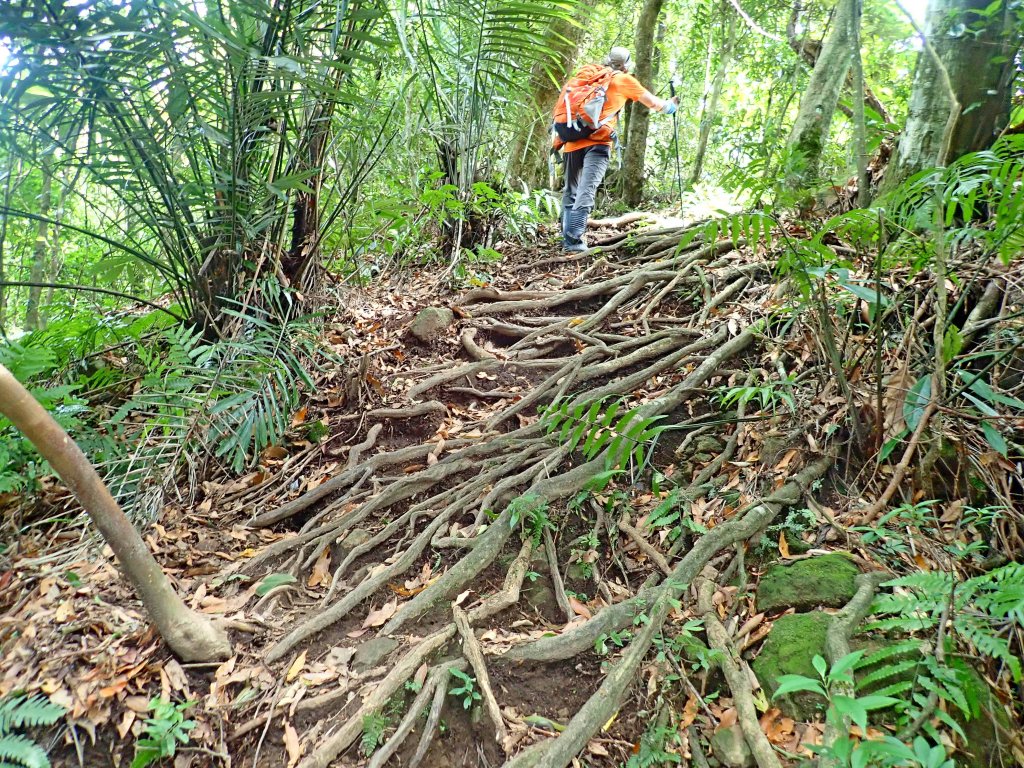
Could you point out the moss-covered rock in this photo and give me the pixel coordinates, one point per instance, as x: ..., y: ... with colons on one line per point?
x: 794, y: 641
x: 828, y: 580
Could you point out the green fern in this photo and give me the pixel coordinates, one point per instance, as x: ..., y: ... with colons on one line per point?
x: 982, y: 609
x: 374, y: 725
x: 18, y: 713
x: 751, y: 227
x: 623, y: 436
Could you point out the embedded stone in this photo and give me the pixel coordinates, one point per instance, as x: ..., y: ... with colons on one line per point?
x: 430, y: 322
x: 730, y: 748
x: 373, y: 652
x: 828, y: 580
x: 794, y: 641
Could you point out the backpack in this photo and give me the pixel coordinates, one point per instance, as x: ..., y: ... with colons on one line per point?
x: 577, y: 112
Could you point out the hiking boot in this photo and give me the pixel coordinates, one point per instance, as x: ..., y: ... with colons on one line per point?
x: 575, y: 226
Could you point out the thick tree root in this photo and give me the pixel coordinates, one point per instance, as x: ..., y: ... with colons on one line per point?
x: 471, y: 650
x: 737, y: 675
x: 837, y: 645
x: 429, y: 495
x: 349, y: 731
x: 436, y: 678
x: 606, y: 701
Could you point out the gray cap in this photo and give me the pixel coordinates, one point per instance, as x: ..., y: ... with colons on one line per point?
x: 618, y: 58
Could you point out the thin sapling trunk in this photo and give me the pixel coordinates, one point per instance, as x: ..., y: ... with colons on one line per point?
x: 191, y: 636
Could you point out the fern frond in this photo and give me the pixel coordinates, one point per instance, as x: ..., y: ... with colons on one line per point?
x: 22, y: 751
x: 28, y: 712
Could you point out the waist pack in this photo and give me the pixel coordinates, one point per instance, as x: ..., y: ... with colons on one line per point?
x: 577, y: 113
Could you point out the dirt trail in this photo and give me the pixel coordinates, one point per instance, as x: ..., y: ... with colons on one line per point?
x: 461, y: 499
x: 493, y: 555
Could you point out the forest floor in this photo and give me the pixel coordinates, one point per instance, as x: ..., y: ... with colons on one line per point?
x: 428, y: 527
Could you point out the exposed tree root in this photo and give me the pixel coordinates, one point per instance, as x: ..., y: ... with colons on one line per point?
x: 837, y: 645
x: 349, y: 731
x: 606, y: 701
x: 471, y: 650
x: 436, y: 679
x: 610, y: 333
x: 430, y: 728
x: 409, y: 412
x: 737, y: 674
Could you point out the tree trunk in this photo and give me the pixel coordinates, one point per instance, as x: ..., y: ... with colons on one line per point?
x: 192, y: 636
x: 528, y: 161
x: 40, y: 248
x: 860, y: 141
x: 709, y: 106
x: 977, y: 53
x: 636, y: 140
x: 818, y: 104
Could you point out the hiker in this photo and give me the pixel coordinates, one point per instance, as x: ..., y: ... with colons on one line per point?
x: 584, y: 122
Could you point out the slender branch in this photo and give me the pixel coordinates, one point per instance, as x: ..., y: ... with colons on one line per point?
x: 87, y: 289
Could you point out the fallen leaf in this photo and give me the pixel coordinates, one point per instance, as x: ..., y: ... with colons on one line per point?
x: 579, y: 608
x: 126, y: 723
x: 380, y: 616
x: 597, y: 749
x: 299, y: 417
x: 321, y: 574
x: 296, y: 667
x: 689, y: 712
x: 461, y: 597
x: 727, y: 719
x: 113, y: 689
x: 291, y: 744
x: 783, y: 545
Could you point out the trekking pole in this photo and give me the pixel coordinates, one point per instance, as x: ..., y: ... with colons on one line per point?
x: 675, y: 140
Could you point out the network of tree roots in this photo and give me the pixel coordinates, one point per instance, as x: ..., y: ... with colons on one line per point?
x: 443, y: 524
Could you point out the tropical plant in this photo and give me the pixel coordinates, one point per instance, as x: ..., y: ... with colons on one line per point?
x: 18, y: 713
x: 462, y: 50
x: 203, y: 130
x: 623, y: 436
x: 374, y: 726
x: 466, y: 690
x: 163, y: 731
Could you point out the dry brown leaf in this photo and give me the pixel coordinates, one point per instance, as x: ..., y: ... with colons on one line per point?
x: 596, y: 748
x: 296, y: 667
x: 274, y: 452
x: 126, y: 723
x: 727, y: 718
x: 689, y: 712
x: 579, y: 608
x: 321, y: 574
x: 380, y: 616
x: 291, y: 744
x: 783, y: 545
x: 895, y: 395
x: 462, y: 597
x: 300, y: 416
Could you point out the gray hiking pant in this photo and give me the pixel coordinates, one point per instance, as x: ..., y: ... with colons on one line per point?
x: 584, y: 172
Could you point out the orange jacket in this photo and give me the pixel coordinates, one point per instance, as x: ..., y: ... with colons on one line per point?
x: 623, y: 87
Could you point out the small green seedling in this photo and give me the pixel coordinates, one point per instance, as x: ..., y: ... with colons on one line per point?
x: 467, y: 691
x: 164, y: 731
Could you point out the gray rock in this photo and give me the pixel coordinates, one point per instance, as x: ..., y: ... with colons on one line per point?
x: 354, y: 538
x: 373, y: 652
x: 430, y: 322
x: 729, y: 746
x: 580, y: 572
x: 541, y: 598
x: 708, y: 444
